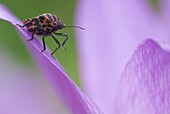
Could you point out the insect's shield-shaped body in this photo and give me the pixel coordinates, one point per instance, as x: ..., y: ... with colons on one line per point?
x: 46, y: 24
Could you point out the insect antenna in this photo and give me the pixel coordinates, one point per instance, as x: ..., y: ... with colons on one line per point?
x: 75, y: 27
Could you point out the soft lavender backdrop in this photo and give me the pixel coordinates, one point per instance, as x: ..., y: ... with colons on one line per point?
x: 23, y: 91
x: 114, y: 28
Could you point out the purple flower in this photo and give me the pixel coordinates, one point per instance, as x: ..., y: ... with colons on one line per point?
x: 114, y: 28
x: 118, y: 78
x: 75, y: 100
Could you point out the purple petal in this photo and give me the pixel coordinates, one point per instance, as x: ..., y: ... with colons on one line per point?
x: 72, y: 96
x: 164, y: 8
x: 113, y: 29
x: 144, y: 87
x: 21, y: 92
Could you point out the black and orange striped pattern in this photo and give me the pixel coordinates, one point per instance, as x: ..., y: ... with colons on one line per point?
x: 44, y: 23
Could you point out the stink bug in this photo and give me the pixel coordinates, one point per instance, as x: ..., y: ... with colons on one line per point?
x: 46, y: 25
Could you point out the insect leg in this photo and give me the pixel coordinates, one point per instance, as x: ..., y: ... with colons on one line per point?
x: 57, y: 43
x: 43, y: 39
x: 65, y: 35
x: 32, y: 36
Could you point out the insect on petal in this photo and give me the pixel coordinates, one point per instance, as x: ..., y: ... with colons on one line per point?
x: 69, y: 92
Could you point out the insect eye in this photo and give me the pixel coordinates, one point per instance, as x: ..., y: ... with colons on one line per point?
x: 59, y: 27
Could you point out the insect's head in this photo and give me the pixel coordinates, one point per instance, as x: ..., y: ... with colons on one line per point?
x: 61, y: 25
x: 58, y: 26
